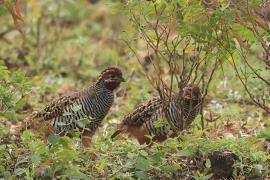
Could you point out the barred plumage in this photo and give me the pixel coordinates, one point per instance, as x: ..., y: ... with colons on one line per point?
x: 93, y: 104
x: 84, y: 105
x: 156, y: 118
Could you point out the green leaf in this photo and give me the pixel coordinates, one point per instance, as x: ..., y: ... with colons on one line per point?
x: 2, y: 169
x: 4, y: 72
x: 186, y: 153
x: 67, y: 154
x: 157, y: 157
x: 131, y: 155
x: 19, y: 171
x: 63, y: 141
x: 160, y: 123
x: 171, y: 168
x: 3, y: 11
x: 208, y: 163
x: 255, y: 3
x: 35, y: 158
x: 83, y: 122
x: 264, y: 133
x: 9, y: 115
x: 20, y: 104
x: 20, y: 80
x: 26, y: 134
x: 53, y: 138
x: 140, y: 174
x: 143, y: 153
x: 142, y: 164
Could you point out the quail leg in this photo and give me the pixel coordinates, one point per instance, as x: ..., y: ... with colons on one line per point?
x: 87, y: 137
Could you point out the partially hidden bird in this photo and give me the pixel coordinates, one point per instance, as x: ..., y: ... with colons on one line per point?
x: 146, y: 122
x: 83, y: 110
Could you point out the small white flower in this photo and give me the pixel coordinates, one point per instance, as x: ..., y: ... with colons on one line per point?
x: 259, y: 166
x: 213, y: 101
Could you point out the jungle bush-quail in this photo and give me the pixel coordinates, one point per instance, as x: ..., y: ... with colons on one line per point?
x: 84, y: 109
x: 146, y: 119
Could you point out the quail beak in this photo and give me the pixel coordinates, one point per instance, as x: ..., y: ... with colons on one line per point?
x: 122, y: 79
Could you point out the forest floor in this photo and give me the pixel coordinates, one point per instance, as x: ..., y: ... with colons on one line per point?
x: 64, y: 49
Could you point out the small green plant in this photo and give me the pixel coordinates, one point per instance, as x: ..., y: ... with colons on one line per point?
x: 14, y: 87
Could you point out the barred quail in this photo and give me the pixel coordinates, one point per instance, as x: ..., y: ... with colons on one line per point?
x: 144, y: 121
x: 93, y: 103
